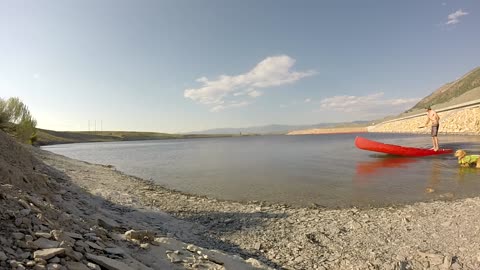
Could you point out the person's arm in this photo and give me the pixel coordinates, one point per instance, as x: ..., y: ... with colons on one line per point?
x: 428, y: 120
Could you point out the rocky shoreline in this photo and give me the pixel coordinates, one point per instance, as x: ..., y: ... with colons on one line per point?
x: 60, y: 213
x: 464, y: 121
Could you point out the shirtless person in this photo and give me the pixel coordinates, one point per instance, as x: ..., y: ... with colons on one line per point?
x: 435, y: 119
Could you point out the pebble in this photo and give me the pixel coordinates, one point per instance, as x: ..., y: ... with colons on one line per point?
x: 76, y: 266
x: 54, y: 260
x: 18, y: 235
x: 174, y: 258
x: 3, y: 257
x: 54, y: 266
x: 93, y: 266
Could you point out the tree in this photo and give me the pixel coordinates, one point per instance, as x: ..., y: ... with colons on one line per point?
x: 15, y: 118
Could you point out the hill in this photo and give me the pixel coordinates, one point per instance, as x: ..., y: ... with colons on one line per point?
x: 47, y: 137
x: 460, y: 91
x: 451, y: 90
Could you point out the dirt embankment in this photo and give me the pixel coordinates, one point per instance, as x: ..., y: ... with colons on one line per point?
x: 461, y: 121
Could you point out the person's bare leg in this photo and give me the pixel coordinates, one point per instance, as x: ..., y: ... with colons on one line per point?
x: 435, y: 143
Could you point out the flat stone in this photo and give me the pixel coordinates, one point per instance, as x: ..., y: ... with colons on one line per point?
x: 115, y: 251
x: 43, y: 234
x: 77, y: 256
x: 9, y: 251
x: 25, y: 212
x: 81, y: 243
x: 107, y: 223
x: 45, y: 243
x: 18, y: 235
x: 74, y: 235
x: 108, y: 263
x: 76, y: 266
x: 24, y: 255
x: 93, y: 245
x: 48, y: 253
x: 54, y: 260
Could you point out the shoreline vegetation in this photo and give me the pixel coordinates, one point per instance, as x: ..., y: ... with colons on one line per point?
x: 59, y: 212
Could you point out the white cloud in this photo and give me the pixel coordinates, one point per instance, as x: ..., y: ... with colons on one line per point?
x: 454, y: 17
x: 307, y: 100
x: 373, y: 105
x: 255, y: 93
x: 225, y: 91
x: 36, y: 76
x: 234, y: 104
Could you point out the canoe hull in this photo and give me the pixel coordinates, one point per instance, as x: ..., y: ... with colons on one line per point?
x: 397, y: 150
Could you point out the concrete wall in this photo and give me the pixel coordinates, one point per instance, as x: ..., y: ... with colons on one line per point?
x: 458, y: 121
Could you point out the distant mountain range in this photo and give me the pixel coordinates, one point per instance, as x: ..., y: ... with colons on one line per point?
x: 277, y: 129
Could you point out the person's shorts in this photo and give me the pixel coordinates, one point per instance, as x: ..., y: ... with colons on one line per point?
x: 435, y: 130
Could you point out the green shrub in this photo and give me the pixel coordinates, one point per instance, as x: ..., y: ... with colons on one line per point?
x: 15, y: 118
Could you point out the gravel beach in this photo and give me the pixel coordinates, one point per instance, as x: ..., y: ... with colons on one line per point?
x: 82, y: 216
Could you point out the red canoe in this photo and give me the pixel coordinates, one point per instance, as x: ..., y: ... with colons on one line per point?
x: 397, y: 150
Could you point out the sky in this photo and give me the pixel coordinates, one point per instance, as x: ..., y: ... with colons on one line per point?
x: 179, y: 66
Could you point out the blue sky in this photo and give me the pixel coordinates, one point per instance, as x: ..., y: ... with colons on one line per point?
x: 178, y: 66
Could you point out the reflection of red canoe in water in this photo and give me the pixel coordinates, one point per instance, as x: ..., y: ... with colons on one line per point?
x: 364, y: 168
x: 397, y: 150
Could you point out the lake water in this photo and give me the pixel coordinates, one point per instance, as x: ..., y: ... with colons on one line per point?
x: 327, y: 170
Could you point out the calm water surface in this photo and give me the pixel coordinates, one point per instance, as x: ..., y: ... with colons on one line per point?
x: 323, y: 169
